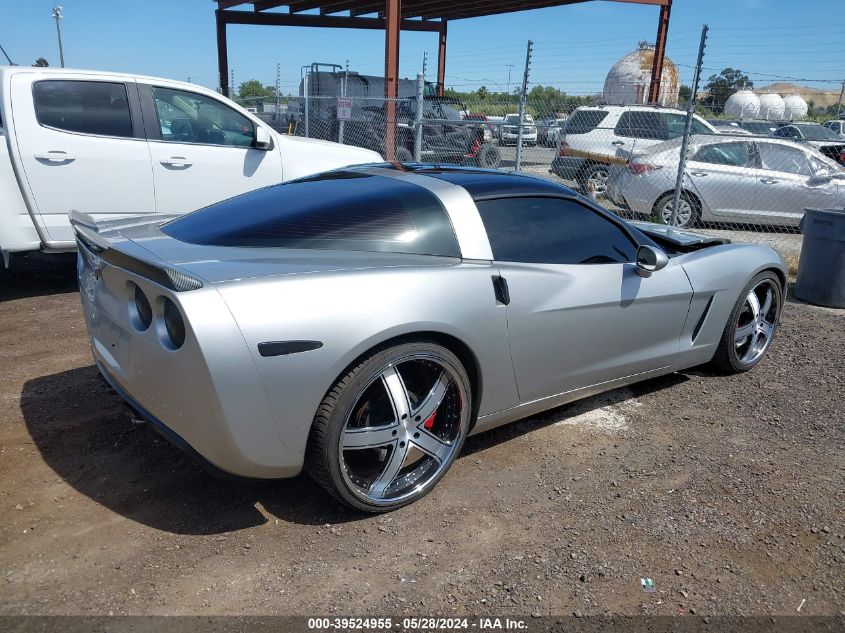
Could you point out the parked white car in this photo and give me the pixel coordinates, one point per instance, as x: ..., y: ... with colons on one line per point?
x: 753, y: 180
x: 510, y: 130
x: 594, y: 135
x: 112, y: 145
x: 837, y: 125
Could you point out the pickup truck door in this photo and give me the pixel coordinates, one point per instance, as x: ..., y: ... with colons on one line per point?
x: 81, y: 145
x: 202, y: 150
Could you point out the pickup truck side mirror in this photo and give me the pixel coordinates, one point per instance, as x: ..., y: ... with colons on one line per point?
x: 263, y: 140
x: 649, y: 260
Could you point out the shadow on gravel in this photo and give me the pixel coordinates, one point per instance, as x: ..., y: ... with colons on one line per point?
x: 79, y: 427
x: 37, y: 275
x: 497, y: 436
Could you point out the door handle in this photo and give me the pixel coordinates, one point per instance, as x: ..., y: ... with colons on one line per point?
x: 618, y: 143
x: 699, y: 173
x: 768, y: 181
x: 177, y: 161
x: 55, y: 156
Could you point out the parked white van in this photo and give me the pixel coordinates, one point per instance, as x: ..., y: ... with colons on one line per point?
x: 113, y: 145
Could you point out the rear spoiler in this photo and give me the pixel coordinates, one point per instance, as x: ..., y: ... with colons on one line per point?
x: 678, y: 237
x: 88, y: 237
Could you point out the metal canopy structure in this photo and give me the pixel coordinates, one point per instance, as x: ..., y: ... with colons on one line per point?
x: 394, y: 16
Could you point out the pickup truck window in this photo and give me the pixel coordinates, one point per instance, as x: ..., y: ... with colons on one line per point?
x: 89, y: 107
x: 187, y: 117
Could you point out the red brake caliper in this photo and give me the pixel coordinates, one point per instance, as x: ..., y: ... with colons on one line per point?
x: 429, y: 423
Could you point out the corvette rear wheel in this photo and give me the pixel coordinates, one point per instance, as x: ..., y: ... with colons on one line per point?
x: 391, y: 427
x: 751, y: 326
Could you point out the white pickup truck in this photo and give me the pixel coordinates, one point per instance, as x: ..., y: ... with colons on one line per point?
x: 113, y: 145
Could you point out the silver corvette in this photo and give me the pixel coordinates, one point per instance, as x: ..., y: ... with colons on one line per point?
x: 362, y: 323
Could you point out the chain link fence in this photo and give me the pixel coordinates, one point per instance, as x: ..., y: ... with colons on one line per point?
x: 747, y: 179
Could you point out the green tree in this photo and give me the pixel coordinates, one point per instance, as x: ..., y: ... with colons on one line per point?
x: 41, y: 63
x: 684, y: 94
x: 482, y: 92
x: 723, y: 85
x: 253, y: 88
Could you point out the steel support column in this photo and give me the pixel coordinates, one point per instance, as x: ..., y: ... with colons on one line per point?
x: 222, y: 54
x: 392, y: 17
x: 659, y: 52
x: 441, y: 60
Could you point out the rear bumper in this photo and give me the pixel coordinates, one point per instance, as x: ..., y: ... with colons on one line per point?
x: 205, y: 397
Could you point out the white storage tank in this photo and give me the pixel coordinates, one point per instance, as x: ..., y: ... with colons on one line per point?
x: 795, y: 108
x: 743, y: 105
x: 629, y: 79
x: 771, y: 107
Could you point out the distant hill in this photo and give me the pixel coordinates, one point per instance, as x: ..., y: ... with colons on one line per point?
x: 820, y: 98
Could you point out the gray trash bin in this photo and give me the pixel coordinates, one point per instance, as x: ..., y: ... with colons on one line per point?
x: 821, y: 270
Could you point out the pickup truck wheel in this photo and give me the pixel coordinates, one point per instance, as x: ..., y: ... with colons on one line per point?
x: 489, y: 156
x: 594, y: 177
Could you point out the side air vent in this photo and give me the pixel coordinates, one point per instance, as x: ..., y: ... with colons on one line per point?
x: 701, y: 319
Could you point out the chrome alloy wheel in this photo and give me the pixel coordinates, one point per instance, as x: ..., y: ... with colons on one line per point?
x: 684, y: 216
x: 404, y: 429
x: 598, y: 178
x: 756, y: 323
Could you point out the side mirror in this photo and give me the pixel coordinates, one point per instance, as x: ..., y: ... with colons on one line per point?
x: 649, y: 260
x: 263, y: 140
x: 820, y: 178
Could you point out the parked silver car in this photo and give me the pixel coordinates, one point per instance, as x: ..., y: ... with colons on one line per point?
x: 740, y: 179
x: 363, y: 322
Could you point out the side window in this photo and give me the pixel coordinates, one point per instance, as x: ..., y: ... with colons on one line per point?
x: 732, y: 154
x: 88, y: 107
x: 784, y: 158
x: 641, y: 124
x: 584, y: 121
x: 187, y: 117
x: 552, y: 231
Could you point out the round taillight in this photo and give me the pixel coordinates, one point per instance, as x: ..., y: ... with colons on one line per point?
x: 143, y: 309
x: 174, y: 324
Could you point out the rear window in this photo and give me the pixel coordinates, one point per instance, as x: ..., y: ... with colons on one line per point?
x: 89, y: 107
x: 338, y: 210
x: 583, y: 121
x: 641, y: 124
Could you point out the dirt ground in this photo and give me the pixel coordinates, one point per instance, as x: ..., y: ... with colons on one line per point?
x: 728, y: 492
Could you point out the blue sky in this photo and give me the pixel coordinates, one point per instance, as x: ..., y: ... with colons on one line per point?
x: 574, y: 45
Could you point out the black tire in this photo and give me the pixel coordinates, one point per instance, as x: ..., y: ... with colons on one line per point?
x: 489, y: 156
x: 726, y: 358
x: 591, y: 171
x: 403, y: 155
x: 692, y: 201
x: 324, y: 456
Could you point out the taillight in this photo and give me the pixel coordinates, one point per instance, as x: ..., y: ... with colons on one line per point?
x: 642, y: 168
x: 174, y: 325
x: 564, y: 149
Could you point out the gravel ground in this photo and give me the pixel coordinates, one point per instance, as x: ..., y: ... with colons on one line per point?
x: 727, y: 491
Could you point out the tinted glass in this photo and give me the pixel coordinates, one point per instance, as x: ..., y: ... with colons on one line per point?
x: 338, y: 210
x: 818, y: 133
x: 733, y: 154
x: 758, y: 127
x: 783, y: 158
x: 638, y: 124
x: 89, y: 107
x: 583, y: 121
x: 552, y: 231
x: 187, y: 117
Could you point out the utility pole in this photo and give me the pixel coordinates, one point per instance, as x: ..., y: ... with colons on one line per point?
x: 57, y: 16
x: 522, y: 96
x: 510, y: 68
x: 679, y: 181
x: 841, y: 92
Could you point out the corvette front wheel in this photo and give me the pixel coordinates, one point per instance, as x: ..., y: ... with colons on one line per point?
x: 391, y: 427
x: 751, y: 327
